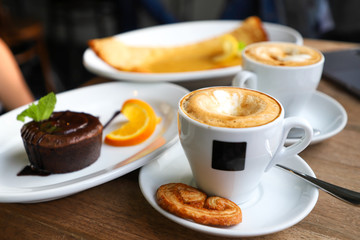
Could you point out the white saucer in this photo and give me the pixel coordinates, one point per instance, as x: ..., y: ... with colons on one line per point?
x: 324, y: 114
x: 99, y: 100
x: 282, y: 199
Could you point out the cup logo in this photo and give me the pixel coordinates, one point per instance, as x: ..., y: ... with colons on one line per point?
x: 228, y: 156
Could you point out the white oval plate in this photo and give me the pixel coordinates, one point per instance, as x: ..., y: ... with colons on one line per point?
x: 326, y: 115
x: 282, y: 199
x: 178, y: 34
x: 99, y: 100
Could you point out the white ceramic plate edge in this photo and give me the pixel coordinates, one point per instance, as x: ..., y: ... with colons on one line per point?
x: 228, y: 232
x: 99, y: 67
x: 59, y: 189
x: 338, y: 127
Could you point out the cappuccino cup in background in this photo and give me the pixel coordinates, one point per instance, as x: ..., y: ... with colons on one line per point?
x: 231, y: 136
x: 286, y: 71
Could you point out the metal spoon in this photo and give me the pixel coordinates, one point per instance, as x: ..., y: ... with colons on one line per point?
x: 344, y: 194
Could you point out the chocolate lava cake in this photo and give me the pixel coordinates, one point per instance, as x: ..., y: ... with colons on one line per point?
x: 66, y: 142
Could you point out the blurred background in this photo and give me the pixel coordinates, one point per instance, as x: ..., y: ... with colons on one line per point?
x: 60, y: 29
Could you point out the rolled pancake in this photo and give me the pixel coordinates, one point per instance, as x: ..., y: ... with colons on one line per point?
x: 191, y: 57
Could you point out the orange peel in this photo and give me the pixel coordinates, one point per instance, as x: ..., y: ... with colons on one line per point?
x: 142, y: 121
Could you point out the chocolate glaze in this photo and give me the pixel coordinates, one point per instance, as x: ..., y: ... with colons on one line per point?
x: 31, y: 171
x: 66, y: 142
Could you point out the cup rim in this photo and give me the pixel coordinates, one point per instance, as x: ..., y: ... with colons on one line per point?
x: 282, y: 67
x: 203, y: 125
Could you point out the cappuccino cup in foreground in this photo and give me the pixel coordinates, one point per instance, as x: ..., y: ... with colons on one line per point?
x: 287, y: 71
x: 231, y: 136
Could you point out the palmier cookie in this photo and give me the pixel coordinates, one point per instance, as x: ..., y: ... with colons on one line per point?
x: 190, y: 203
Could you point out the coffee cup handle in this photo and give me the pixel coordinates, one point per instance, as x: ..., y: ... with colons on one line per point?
x: 284, y: 152
x: 245, y: 79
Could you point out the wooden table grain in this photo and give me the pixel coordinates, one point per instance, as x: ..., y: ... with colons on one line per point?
x: 118, y: 210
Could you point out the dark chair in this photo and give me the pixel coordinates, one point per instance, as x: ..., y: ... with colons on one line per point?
x: 27, y: 37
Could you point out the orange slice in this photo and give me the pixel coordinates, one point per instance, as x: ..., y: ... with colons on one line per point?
x: 142, y: 122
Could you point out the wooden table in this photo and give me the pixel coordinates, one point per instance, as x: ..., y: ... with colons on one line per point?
x: 118, y: 210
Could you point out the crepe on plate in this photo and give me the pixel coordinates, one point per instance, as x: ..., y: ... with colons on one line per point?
x: 191, y: 57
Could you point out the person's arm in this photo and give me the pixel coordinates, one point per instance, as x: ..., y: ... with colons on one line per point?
x: 14, y: 91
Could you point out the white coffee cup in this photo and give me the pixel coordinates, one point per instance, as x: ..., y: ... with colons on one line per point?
x: 292, y: 85
x: 230, y: 161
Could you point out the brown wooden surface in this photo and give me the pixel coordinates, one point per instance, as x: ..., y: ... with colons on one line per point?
x: 117, y: 209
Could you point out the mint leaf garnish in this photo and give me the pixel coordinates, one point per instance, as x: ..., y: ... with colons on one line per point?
x: 41, y: 111
x: 241, y: 45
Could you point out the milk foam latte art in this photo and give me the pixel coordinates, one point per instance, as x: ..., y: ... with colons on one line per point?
x: 288, y: 72
x: 230, y: 107
x: 231, y: 136
x: 283, y: 54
